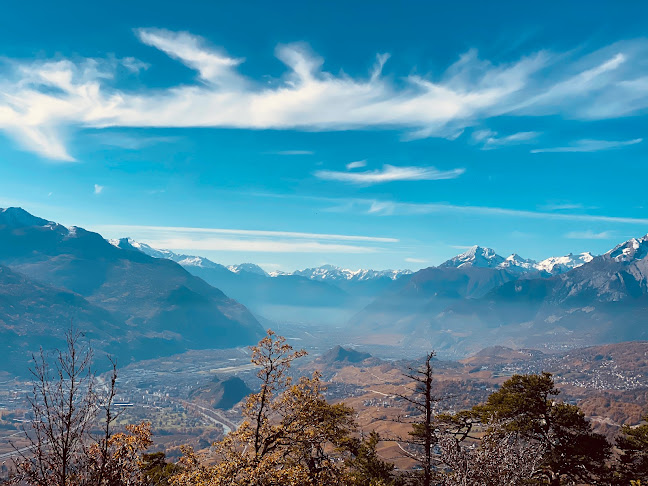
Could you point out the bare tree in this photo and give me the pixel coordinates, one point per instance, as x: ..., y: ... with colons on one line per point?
x: 423, y: 436
x: 63, y: 405
x: 67, y: 402
x: 501, y: 459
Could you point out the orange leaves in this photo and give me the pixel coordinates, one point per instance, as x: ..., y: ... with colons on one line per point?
x: 290, y: 434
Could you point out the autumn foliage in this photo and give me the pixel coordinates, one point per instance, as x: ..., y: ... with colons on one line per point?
x: 291, y: 436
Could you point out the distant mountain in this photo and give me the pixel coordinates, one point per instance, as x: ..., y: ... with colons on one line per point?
x: 184, y: 260
x: 33, y: 314
x: 630, y: 251
x: 324, y: 273
x: 272, y: 294
x: 332, y: 273
x: 557, y: 265
x: 475, y: 256
x: 620, y: 274
x: 475, y: 300
x: 340, y: 355
x: 501, y: 355
x: 157, y: 306
x: 427, y: 292
x: 247, y: 267
x: 222, y: 393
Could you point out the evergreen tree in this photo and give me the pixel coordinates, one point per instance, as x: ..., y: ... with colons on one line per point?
x: 525, y: 405
x: 633, y: 459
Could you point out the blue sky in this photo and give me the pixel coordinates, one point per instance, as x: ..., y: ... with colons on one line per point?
x: 364, y: 134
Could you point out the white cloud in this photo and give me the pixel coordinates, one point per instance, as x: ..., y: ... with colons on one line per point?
x: 257, y: 245
x: 41, y: 101
x: 175, y: 230
x: 390, y: 208
x: 590, y: 235
x: 213, y: 67
x: 292, y: 152
x: 415, y: 260
x: 560, y: 206
x: 356, y: 165
x: 589, y: 146
x: 130, y: 141
x: 481, y: 135
x: 390, y: 173
x: 490, y: 139
x: 223, y: 239
x: 98, y: 189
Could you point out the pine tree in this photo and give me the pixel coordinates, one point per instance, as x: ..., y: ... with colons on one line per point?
x: 525, y: 405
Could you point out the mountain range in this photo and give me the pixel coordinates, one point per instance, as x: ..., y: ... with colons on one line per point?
x: 474, y: 300
x: 325, y: 292
x: 137, y: 302
x: 129, y: 304
x: 476, y: 256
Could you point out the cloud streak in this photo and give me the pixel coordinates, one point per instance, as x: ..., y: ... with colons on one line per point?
x: 590, y: 235
x: 257, y: 245
x: 225, y: 239
x: 356, y: 165
x: 123, y: 229
x: 292, y: 152
x: 41, y: 101
x: 391, y: 208
x: 589, y: 146
x: 389, y: 173
x: 491, y: 141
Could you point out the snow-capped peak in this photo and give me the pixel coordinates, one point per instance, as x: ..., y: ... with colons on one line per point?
x: 333, y: 273
x: 633, y: 249
x: 516, y: 264
x: 184, y: 260
x: 475, y: 256
x: 247, y: 267
x: 556, y: 265
x: 131, y: 244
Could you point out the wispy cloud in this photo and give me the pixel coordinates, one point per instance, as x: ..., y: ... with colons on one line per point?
x: 491, y: 140
x: 242, y: 232
x: 256, y: 245
x: 560, y: 206
x: 225, y: 239
x: 130, y: 141
x: 98, y: 189
x: 292, y: 152
x: 415, y: 260
x: 40, y: 101
x: 390, y: 173
x: 590, y: 235
x: 391, y: 208
x: 589, y: 146
x: 356, y: 165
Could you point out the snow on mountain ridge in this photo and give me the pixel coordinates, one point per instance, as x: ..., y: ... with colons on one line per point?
x: 555, y: 265
x: 475, y: 256
x: 633, y: 249
x: 247, y: 267
x: 331, y: 272
x: 325, y: 272
x: 184, y: 260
